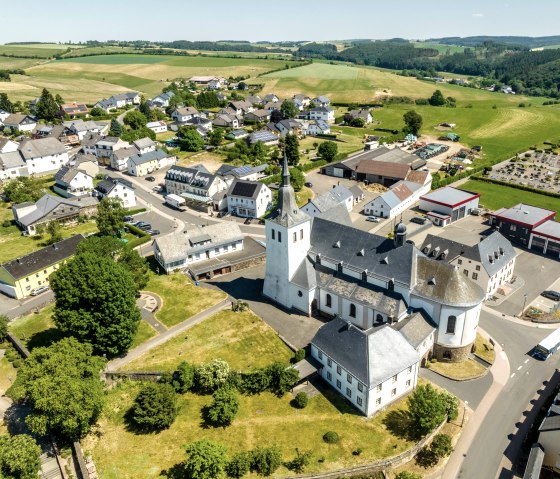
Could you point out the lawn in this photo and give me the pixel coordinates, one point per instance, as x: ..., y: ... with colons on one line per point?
x: 145, y: 332
x: 463, y: 370
x: 181, y: 298
x: 7, y: 375
x: 494, y: 196
x: 242, y: 339
x: 42, y: 50
x: 263, y: 420
x: 484, y: 349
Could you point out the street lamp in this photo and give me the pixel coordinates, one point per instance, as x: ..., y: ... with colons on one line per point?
x: 524, y: 304
x: 464, y: 412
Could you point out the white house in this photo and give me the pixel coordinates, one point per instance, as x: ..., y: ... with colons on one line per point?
x: 179, y: 250
x: 119, y: 101
x: 318, y: 127
x: 7, y: 145
x: 227, y: 121
x: 20, y: 121
x: 339, y: 195
x: 321, y: 101
x: 162, y: 100
x: 183, y: 114
x: 83, y: 128
x: 106, y: 146
x: 120, y: 158
x: 362, y: 113
x: 401, y: 196
x: 248, y: 199
x: 303, y: 100
x: 143, y: 164
x: 117, y: 188
x: 43, y: 155
x: 270, y: 98
x: 144, y: 145
x: 70, y: 182
x: 322, y: 113
x: 157, y: 126
x: 12, y: 165
x: 216, y: 84
x: 242, y: 107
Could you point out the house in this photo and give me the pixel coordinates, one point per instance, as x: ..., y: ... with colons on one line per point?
x: 322, y: 113
x: 179, y: 250
x: 221, y: 96
x: 71, y: 181
x: 87, y: 163
x: 383, y: 172
x: 143, y: 164
x: 44, y: 155
x: 59, y: 132
x: 144, y: 145
x: 157, y: 126
x: 3, y: 115
x: 288, y: 127
x: 258, y: 116
x: 266, y: 137
x: 230, y: 173
x: 7, y: 145
x: 447, y: 205
x: 183, y: 114
x: 318, y: 127
x: 106, y: 146
x: 196, y: 185
x: 89, y: 143
x: 362, y: 113
x: 271, y: 106
x: 119, y: 101
x: 162, y: 101
x: 120, y: 158
x: 518, y: 222
x: 270, y: 98
x: 116, y: 188
x: 19, y: 277
x: 254, y: 99
x: 203, y: 80
x: 248, y: 199
x: 73, y: 110
x: 357, y: 194
x: 216, y: 84
x: 321, y: 101
x: 549, y: 435
x: 20, y: 122
x: 338, y: 195
x: 203, y: 125
x: 237, y: 134
x: 303, y: 100
x: 490, y: 262
x: 241, y: 108
x: 12, y: 165
x: 369, y: 284
x: 226, y: 121
x: 32, y: 216
x: 84, y: 128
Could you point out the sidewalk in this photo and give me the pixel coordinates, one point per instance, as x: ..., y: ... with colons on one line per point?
x: 513, y: 319
x: 500, y: 372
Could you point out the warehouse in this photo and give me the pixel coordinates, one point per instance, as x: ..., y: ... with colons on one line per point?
x: 447, y: 205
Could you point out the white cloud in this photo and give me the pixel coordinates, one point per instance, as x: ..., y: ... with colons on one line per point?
x: 477, y: 15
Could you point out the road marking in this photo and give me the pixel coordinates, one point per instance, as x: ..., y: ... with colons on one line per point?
x: 512, y: 375
x: 526, y: 361
x: 519, y: 368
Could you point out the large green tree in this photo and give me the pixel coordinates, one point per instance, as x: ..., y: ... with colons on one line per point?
x: 205, y: 460
x: 145, y: 109
x: 110, y: 214
x: 4, y: 320
x: 291, y: 149
x: 96, y: 302
x: 20, y: 457
x: 265, y: 460
x: 155, y: 407
x: 115, y: 129
x: 61, y: 383
x: 215, y: 137
x: 47, y: 108
x: 437, y: 99
x: 297, y: 179
x: 328, y: 150
x: 413, y: 122
x: 22, y: 189
x: 211, y: 376
x: 288, y: 109
x: 190, y: 139
x: 224, y: 407
x: 5, y: 103
x: 135, y: 120
x: 427, y: 409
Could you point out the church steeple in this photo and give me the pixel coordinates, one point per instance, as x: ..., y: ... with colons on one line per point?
x: 285, y: 172
x: 288, y: 212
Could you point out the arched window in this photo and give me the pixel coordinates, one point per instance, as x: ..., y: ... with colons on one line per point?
x: 352, y: 310
x: 329, y: 301
x: 446, y: 355
x: 379, y: 318
x: 300, y: 294
x: 451, y: 322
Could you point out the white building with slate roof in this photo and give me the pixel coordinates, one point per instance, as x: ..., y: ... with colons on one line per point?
x: 374, y: 288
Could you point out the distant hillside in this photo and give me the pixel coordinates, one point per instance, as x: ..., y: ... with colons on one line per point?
x: 528, y: 42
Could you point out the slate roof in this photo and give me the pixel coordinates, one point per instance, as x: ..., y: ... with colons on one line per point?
x: 43, y: 258
x: 450, y: 196
x: 191, y: 176
x: 13, y: 159
x: 332, y: 198
x: 66, y: 174
x: 439, y: 248
x: 525, y: 214
x: 188, y: 110
x: 494, y: 252
x: 48, y: 203
x: 245, y: 189
x: 141, y: 158
x: 552, y: 420
x: 415, y: 328
x: 383, y: 168
x: 367, y: 355
x: 81, y: 125
x: 305, y: 276
x: 90, y: 139
x: 144, y: 143
x: 126, y: 152
x: 18, y: 119
x: 31, y: 149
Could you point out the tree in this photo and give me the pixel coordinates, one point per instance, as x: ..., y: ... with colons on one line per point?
x: 242, y: 86
x: 357, y: 122
x: 451, y: 405
x: 97, y: 112
x: 55, y: 232
x: 282, y: 379
x: 328, y: 150
x: 441, y: 445
x: 211, y: 376
x: 300, y: 401
x: 137, y: 266
x: 205, y: 460
x: 4, y: 320
x: 224, y: 407
x: 26, y: 188
x: 238, y: 465
x: 437, y: 99
x: 297, y: 179
x: 47, y: 108
x: 135, y: 120
x: 300, y: 462
x: 190, y: 139
x: 61, y: 383
x: 183, y: 377
x: 145, y: 109
x: 291, y: 149
x: 215, y: 137
x: 115, y: 129
x: 413, y: 122
x: 96, y: 302
x: 427, y: 409
x: 259, y: 152
x: 5, y: 103
x: 288, y: 109
x: 110, y: 214
x: 207, y: 99
x: 276, y: 116
x: 155, y: 407
x: 133, y: 135
x: 59, y: 100
x: 264, y: 461
x: 20, y: 457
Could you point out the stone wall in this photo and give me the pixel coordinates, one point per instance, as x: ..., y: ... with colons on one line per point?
x: 451, y: 354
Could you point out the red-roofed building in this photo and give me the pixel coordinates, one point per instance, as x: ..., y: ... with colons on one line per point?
x: 518, y: 223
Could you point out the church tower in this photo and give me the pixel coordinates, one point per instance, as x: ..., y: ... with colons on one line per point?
x: 287, y: 242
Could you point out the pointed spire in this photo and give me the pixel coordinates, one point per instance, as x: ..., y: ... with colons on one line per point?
x: 285, y: 172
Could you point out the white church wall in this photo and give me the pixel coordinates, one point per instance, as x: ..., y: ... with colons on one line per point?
x: 465, y: 326
x: 334, y: 305
x: 359, y: 318
x: 392, y: 389
x: 301, y: 298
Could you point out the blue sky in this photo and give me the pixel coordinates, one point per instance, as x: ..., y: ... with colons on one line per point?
x: 60, y: 20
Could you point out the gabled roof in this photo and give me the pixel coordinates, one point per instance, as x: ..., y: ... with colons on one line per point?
x: 48, y: 203
x: 42, y: 147
x: 81, y: 125
x: 108, y: 184
x: 43, y: 258
x: 383, y: 168
x: 331, y: 198
x: 245, y: 189
x: 144, y: 143
x: 192, y: 176
x: 415, y: 328
x: 74, y: 108
x: 19, y: 119
x: 66, y: 174
x: 154, y: 155
x: 186, y: 110
x: 419, y: 177
x: 12, y: 159
x: 494, y: 252
x: 125, y: 153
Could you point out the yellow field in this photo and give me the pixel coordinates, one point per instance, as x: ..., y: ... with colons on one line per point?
x: 510, y: 122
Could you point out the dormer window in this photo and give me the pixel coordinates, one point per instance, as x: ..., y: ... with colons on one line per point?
x: 337, y: 244
x: 361, y: 252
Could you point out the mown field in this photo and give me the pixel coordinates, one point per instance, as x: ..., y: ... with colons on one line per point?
x: 43, y: 50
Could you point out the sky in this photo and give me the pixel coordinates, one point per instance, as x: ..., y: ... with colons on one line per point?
x: 261, y: 20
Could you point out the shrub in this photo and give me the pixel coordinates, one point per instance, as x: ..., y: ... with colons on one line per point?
x: 255, y: 382
x: 3, y: 327
x: 224, y: 407
x: 300, y: 462
x: 441, y: 445
x: 238, y: 465
x: 452, y: 405
x: 282, y: 379
x: 408, y: 475
x: 6, y: 223
x: 427, y: 409
x: 331, y: 437
x: 357, y: 452
x: 155, y: 407
x: 205, y: 460
x: 426, y: 457
x: 264, y: 461
x: 16, y: 363
x: 211, y: 376
x: 183, y: 377
x: 300, y: 401
x: 299, y: 356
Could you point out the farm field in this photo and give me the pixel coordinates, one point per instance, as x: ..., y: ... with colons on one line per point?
x: 43, y: 50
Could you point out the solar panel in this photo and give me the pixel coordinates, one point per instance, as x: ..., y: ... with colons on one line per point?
x: 244, y: 189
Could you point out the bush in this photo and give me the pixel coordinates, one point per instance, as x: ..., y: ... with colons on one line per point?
x: 300, y: 462
x: 452, y: 406
x: 255, y: 382
x: 211, y: 376
x: 224, y: 407
x: 6, y: 223
x: 3, y: 327
x: 357, y: 452
x: 300, y: 401
x: 441, y: 445
x: 408, y: 475
x: 183, y: 377
x: 155, y: 407
x: 426, y: 457
x: 264, y: 461
x: 331, y: 437
x: 238, y: 465
x: 282, y: 379
x: 17, y: 363
x: 300, y: 355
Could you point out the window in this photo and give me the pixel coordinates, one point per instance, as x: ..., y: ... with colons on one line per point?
x: 378, y: 401
x: 512, y: 227
x: 379, y: 318
x: 329, y: 362
x: 475, y: 276
x: 328, y: 301
x: 349, y: 392
x: 379, y: 388
x: 300, y: 234
x: 460, y: 261
x: 339, y: 370
x: 338, y: 384
x: 391, y: 285
x: 279, y: 237
x: 329, y: 376
x: 393, y: 392
x: 320, y: 354
x: 466, y: 272
x: 216, y: 250
x: 45, y: 271
x: 349, y: 378
x: 300, y: 294
x: 451, y: 321
x: 234, y: 246
x: 395, y: 378
x: 408, y: 383
x: 360, y: 387
x: 359, y: 400
x: 478, y: 267
x: 410, y: 367
x: 295, y: 236
x: 352, y: 310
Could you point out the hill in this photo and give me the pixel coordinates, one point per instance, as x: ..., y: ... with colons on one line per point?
x: 529, y: 42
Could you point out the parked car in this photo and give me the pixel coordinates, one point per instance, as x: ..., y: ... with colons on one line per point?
x: 554, y: 295
x: 128, y: 219
x: 150, y: 178
x: 157, y: 189
x: 421, y: 220
x: 374, y: 219
x: 39, y: 290
x: 309, y: 184
x: 153, y: 232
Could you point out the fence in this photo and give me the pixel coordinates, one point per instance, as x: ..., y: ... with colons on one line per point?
x: 133, y: 375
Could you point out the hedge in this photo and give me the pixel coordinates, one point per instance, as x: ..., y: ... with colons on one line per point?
x: 325, y: 135
x: 143, y: 237
x: 516, y: 186
x: 135, y: 211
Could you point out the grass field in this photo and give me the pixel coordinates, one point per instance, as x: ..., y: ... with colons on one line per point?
x: 497, y: 196
x: 43, y: 50
x: 440, y: 47
x: 7, y: 375
x: 464, y: 370
x: 484, y: 349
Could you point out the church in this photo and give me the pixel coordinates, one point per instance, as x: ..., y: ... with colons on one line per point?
x: 392, y: 307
